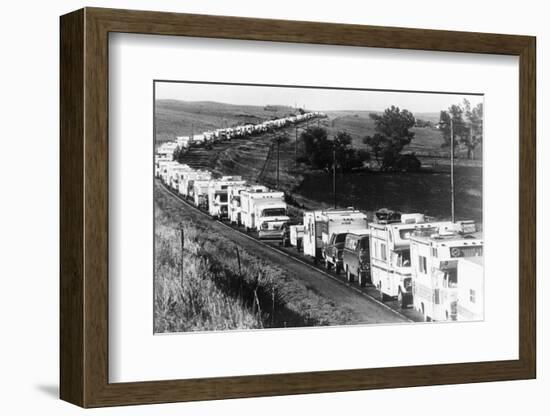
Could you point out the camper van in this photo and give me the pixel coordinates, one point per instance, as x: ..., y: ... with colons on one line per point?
x: 356, y: 256
x: 217, y: 195
x: 390, y: 258
x: 434, y: 257
x: 470, y: 298
x: 335, y: 225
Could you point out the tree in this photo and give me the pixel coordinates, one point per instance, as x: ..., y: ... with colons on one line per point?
x: 347, y: 158
x: 319, y: 150
x: 392, y: 134
x: 467, y: 132
x: 317, y: 147
x: 475, y: 118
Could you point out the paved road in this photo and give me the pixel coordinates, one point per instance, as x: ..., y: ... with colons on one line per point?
x: 367, y: 310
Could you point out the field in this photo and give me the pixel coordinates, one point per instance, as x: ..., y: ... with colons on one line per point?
x: 255, y: 158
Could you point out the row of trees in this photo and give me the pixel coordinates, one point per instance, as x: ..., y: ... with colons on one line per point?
x: 392, y: 132
x: 320, y: 151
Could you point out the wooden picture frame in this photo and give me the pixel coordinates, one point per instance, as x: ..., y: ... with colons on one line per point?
x: 84, y: 207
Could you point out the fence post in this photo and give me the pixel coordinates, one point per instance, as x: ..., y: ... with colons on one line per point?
x: 182, y: 236
x: 240, y: 274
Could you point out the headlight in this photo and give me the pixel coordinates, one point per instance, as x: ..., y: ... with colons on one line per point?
x: 264, y: 225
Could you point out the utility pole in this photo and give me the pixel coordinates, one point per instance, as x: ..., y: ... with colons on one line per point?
x: 296, y: 149
x: 334, y: 174
x: 278, y: 142
x: 452, y: 171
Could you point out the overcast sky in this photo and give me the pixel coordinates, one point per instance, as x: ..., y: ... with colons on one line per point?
x: 310, y: 98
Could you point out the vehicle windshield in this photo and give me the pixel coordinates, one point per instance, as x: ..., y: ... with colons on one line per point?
x: 273, y: 212
x: 222, y: 197
x: 340, y: 238
x: 364, y: 243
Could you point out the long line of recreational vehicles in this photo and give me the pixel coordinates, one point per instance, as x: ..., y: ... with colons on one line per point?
x: 166, y: 150
x: 436, y: 267
x: 254, y: 207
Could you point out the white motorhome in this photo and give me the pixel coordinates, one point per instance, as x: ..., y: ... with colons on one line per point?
x: 217, y: 195
x: 253, y: 218
x: 271, y: 219
x: 470, y: 301
x: 335, y: 224
x: 186, y: 184
x: 247, y: 207
x: 162, y: 166
x: 200, y: 193
x: 390, y: 258
x: 434, y: 257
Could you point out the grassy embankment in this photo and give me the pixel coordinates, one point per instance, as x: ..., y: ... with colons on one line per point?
x: 205, y: 289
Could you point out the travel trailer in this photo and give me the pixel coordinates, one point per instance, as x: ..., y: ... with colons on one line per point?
x: 312, y: 241
x: 434, y: 255
x: 297, y: 235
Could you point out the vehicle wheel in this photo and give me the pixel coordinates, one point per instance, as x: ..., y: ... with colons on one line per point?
x: 338, y: 268
x: 349, y: 276
x: 327, y: 264
x: 362, y: 278
x: 423, y: 310
x: 403, y: 299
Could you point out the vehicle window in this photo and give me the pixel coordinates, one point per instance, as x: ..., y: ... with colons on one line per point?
x: 223, y: 197
x: 405, y: 258
x: 452, y: 275
x: 340, y: 238
x: 273, y: 212
x: 364, y: 244
x: 383, y: 253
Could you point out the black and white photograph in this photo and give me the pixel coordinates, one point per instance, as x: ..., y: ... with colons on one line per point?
x: 283, y: 206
